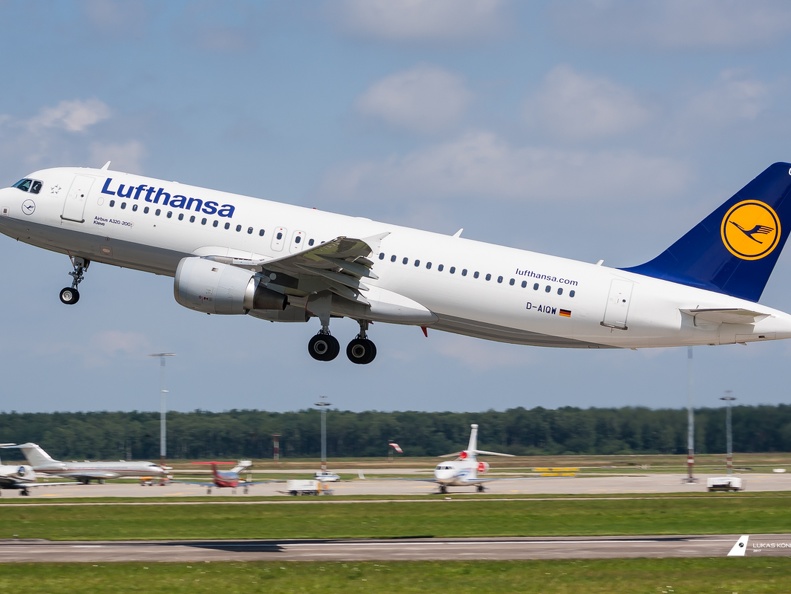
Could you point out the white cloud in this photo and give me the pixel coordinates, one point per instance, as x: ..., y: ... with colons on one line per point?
x: 127, y: 156
x: 484, y: 166
x: 576, y: 106
x: 676, y: 24
x: 422, y: 99
x: 47, y: 137
x: 419, y: 20
x: 72, y: 116
x: 734, y: 97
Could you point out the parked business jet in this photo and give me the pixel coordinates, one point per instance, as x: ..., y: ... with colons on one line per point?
x: 464, y: 470
x: 85, y: 472
x: 232, y: 254
x: 20, y: 477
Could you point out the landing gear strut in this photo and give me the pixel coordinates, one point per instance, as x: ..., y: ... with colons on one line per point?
x: 324, y: 347
x: 361, y: 349
x: 70, y: 295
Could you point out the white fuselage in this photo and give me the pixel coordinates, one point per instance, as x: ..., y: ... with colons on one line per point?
x: 101, y: 469
x: 16, y: 474
x: 470, y: 287
x: 457, y: 473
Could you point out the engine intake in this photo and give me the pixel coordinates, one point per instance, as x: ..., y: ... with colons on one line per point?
x: 216, y: 288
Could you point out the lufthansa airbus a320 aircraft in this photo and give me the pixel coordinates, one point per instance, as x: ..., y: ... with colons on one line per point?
x: 232, y: 254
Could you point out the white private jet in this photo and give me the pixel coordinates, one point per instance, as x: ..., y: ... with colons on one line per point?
x: 85, y: 472
x: 464, y: 470
x: 232, y: 254
x: 20, y: 477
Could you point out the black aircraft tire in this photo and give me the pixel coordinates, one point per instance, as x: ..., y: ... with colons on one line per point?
x: 69, y: 296
x: 361, y: 351
x: 324, y: 347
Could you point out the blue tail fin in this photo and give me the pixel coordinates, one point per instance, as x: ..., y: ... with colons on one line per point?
x: 735, y: 248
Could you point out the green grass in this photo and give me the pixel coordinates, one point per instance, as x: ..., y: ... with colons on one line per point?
x: 459, y: 516
x: 328, y: 518
x: 654, y: 576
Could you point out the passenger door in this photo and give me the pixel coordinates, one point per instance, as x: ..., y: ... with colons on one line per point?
x: 74, y: 207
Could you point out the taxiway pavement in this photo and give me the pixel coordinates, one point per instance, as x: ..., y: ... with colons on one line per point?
x: 535, y: 485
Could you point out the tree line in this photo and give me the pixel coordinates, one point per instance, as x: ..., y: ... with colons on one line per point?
x: 538, y: 431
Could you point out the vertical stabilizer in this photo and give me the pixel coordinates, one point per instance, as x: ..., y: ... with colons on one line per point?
x: 734, y: 249
x: 472, y: 447
x: 35, y: 455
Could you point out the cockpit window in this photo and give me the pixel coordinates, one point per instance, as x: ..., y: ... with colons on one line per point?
x: 29, y: 185
x: 24, y: 184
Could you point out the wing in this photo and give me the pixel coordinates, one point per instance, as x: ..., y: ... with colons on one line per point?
x: 195, y: 483
x: 34, y: 485
x: 474, y: 481
x: 338, y: 265
x: 7, y: 482
x: 76, y: 474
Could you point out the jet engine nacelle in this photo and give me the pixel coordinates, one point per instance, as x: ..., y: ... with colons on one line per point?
x: 215, y: 288
x: 483, y: 467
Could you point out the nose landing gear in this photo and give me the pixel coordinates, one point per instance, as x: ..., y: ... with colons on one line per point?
x: 70, y: 295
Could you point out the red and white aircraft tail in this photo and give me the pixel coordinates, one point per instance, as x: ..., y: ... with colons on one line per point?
x: 464, y: 470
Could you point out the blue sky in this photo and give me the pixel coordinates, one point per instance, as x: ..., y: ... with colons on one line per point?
x: 591, y: 130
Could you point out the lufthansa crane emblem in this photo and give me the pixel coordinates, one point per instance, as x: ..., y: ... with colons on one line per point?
x: 750, y: 230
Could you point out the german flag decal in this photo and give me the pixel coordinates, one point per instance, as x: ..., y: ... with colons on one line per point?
x: 566, y: 313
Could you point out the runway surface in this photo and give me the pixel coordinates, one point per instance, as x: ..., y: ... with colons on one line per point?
x: 398, y: 549
x: 446, y: 549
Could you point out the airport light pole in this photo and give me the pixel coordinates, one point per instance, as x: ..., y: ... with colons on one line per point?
x: 690, y: 422
x: 728, y: 434
x: 323, y: 404
x: 163, y: 448
x: 276, y: 446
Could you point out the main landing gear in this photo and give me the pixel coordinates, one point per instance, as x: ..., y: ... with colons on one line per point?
x: 70, y: 295
x: 325, y: 347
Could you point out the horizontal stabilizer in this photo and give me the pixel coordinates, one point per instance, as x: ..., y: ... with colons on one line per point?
x: 493, y: 453
x: 726, y: 316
